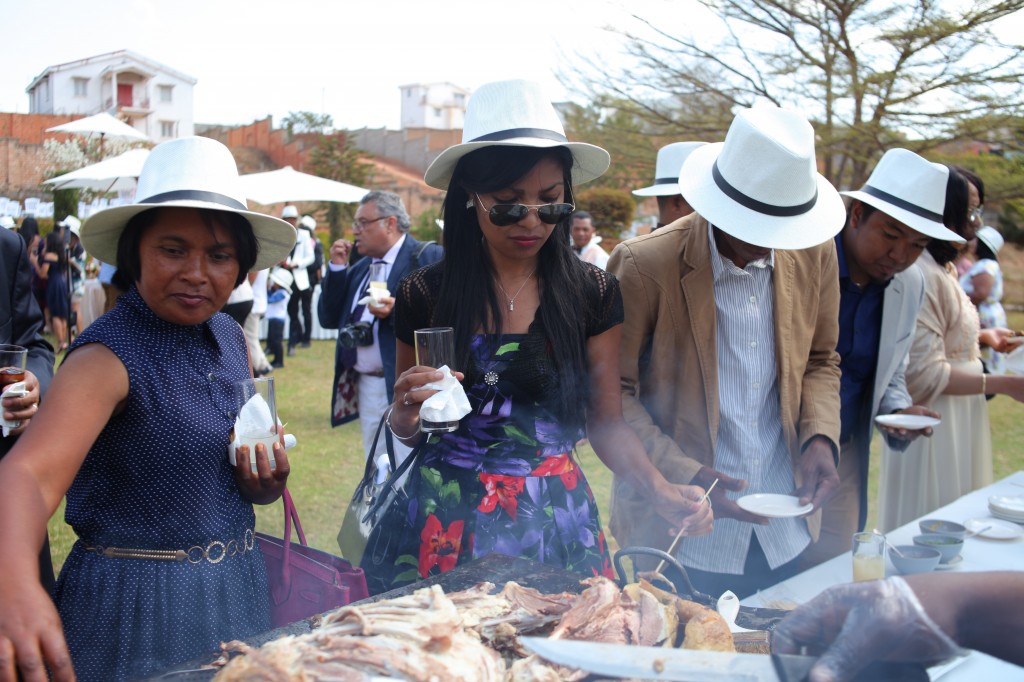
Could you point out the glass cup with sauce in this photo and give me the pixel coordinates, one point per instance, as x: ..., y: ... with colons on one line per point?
x: 868, y: 556
x: 12, y: 364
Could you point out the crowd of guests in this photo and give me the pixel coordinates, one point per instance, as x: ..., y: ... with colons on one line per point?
x: 745, y: 346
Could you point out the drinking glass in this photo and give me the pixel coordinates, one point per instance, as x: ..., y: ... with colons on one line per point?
x: 377, y: 280
x: 435, y: 347
x: 244, y: 391
x: 12, y: 364
x: 868, y: 556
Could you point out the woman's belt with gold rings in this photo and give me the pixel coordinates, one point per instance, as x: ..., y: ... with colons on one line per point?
x: 214, y: 552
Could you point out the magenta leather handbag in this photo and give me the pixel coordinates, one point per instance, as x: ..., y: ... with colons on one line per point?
x: 305, y: 581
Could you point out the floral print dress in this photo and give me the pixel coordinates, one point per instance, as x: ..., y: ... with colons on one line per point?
x: 506, y: 481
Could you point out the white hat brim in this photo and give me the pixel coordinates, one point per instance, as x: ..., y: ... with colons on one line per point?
x: 819, y: 224
x: 667, y: 189
x: 589, y: 161
x: 918, y: 223
x: 102, y: 230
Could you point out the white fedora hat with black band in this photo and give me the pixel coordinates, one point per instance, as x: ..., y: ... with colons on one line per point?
x: 670, y: 161
x: 515, y: 113
x: 190, y: 172
x: 762, y: 185
x: 992, y: 239
x: 910, y: 189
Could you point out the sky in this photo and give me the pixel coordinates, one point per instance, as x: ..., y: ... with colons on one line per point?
x: 346, y: 58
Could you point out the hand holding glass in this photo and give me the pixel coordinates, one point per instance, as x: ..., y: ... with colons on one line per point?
x: 435, y: 347
x: 377, y: 279
x: 244, y: 391
x: 868, y: 556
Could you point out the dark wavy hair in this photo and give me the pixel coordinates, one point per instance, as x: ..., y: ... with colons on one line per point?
x: 467, y: 298
x: 129, y: 264
x: 954, y: 216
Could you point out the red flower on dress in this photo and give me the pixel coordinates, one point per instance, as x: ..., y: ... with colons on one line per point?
x: 439, y: 547
x: 503, y: 491
x: 563, y: 466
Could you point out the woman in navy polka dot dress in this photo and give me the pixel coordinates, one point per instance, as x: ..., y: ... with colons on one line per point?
x: 135, y: 431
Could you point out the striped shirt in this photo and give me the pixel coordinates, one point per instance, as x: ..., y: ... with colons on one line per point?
x: 750, y: 444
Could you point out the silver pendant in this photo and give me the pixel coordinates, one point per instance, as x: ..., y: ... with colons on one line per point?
x: 491, y: 378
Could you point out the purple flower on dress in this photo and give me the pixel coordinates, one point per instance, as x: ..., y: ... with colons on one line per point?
x: 574, y: 523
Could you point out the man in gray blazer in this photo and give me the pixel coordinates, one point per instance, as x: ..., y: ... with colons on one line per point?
x: 889, y: 223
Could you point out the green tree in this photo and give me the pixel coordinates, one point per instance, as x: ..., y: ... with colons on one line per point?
x: 335, y: 157
x: 612, y: 208
x: 297, y: 122
x: 868, y: 73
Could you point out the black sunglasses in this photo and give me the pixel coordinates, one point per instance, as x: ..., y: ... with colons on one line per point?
x: 504, y: 215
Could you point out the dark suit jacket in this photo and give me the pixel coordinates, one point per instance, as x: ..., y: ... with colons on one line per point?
x: 21, y: 321
x: 339, y: 290
x: 21, y: 324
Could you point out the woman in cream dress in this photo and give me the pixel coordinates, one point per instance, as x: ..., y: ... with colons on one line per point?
x: 944, y: 371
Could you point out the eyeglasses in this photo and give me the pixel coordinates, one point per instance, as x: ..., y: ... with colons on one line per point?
x: 363, y: 223
x: 976, y: 214
x: 504, y: 215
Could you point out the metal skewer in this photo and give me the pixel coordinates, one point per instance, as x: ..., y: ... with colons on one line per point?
x: 682, y: 531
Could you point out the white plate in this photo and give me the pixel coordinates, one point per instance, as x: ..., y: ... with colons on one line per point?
x: 1003, y: 515
x: 913, y: 422
x: 774, y: 506
x: 1000, y: 530
x: 1011, y: 504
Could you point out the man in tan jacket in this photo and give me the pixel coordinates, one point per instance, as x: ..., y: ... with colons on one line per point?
x: 728, y: 360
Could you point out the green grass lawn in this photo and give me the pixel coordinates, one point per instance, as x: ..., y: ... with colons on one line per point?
x: 327, y: 463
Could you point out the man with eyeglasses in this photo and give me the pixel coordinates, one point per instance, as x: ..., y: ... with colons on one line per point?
x: 364, y: 368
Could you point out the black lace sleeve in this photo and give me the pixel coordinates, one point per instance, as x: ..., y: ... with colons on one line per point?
x: 607, y: 308
x: 414, y: 303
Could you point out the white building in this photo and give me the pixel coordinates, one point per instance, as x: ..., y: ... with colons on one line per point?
x: 434, y: 105
x: 153, y: 98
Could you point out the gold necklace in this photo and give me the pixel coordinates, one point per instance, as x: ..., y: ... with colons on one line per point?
x: 512, y: 300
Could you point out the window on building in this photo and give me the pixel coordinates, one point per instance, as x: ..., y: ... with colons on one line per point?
x: 81, y: 87
x: 437, y: 113
x: 166, y: 93
x: 460, y: 99
x: 168, y: 128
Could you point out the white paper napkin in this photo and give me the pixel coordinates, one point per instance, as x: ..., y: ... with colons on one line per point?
x: 14, y: 390
x: 376, y: 295
x: 449, y: 404
x: 255, y: 417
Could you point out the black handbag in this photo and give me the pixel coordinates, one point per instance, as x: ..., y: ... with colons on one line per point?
x: 377, y: 516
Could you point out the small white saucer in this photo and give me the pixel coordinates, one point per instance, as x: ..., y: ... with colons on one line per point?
x: 774, y: 506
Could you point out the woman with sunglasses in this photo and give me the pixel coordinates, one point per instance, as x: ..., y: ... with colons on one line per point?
x: 537, y: 345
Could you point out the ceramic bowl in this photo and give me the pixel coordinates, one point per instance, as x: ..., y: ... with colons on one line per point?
x: 947, y: 545
x: 915, y: 559
x: 943, y: 528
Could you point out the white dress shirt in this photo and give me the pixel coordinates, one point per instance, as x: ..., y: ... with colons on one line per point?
x: 368, y: 357
x: 750, y: 444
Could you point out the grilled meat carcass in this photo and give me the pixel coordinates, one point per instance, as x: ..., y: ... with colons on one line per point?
x: 604, y: 613
x: 416, y: 637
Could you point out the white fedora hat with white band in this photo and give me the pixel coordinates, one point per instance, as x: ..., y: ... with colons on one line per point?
x: 190, y: 172
x: 515, y: 113
x: 670, y: 161
x: 910, y: 189
x: 761, y: 185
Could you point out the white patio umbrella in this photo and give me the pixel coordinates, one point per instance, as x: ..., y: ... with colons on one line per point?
x: 102, y: 124
x: 288, y: 184
x: 109, y: 175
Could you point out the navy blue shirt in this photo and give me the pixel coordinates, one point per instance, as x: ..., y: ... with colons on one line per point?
x: 860, y: 328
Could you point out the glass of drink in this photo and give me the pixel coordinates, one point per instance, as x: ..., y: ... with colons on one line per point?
x: 868, y: 556
x: 435, y: 347
x: 265, y: 433
x: 12, y: 364
x: 377, y: 280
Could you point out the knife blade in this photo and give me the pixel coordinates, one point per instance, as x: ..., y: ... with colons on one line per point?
x: 658, y: 663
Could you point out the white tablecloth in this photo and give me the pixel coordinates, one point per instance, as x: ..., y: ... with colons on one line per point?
x: 978, y: 554
x: 318, y: 331
x: 92, y: 303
